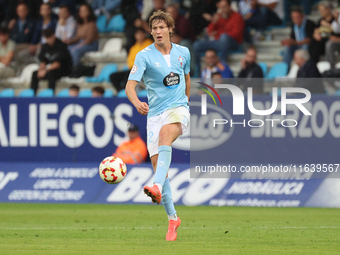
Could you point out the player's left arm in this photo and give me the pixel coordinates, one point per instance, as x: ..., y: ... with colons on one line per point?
x: 187, y: 83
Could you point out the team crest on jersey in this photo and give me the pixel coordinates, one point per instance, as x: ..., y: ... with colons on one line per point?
x: 134, y: 69
x: 171, y: 81
x: 180, y: 59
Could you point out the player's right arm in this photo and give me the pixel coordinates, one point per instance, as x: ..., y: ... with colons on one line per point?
x: 135, y: 76
x: 130, y: 91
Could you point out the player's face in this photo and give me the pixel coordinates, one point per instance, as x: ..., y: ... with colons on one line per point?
x: 160, y: 32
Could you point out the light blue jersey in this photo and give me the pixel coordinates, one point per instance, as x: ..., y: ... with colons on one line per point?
x: 165, y: 85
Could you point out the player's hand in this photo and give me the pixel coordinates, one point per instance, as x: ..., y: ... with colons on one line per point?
x: 142, y: 108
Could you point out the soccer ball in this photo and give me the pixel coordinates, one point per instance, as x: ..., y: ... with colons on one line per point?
x: 112, y: 170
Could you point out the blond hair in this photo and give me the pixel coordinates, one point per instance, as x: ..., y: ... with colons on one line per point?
x: 161, y: 15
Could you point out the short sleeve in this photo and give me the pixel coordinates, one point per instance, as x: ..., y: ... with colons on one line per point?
x: 187, y: 63
x: 138, y: 68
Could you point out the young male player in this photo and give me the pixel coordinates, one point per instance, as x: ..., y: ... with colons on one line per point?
x: 165, y: 69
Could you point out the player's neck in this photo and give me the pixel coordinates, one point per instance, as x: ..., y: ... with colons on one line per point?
x: 165, y: 48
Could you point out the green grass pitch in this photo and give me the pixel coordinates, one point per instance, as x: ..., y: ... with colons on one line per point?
x: 141, y: 229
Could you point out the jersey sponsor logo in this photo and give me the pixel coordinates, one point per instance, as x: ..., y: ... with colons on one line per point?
x: 157, y: 64
x: 134, y: 69
x: 172, y: 80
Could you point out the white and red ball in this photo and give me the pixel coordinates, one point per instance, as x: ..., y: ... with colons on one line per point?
x: 112, y: 170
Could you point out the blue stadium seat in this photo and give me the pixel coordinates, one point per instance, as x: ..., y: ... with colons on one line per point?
x: 64, y: 93
x: 278, y: 70
x: 101, y: 24
x: 122, y: 93
x: 108, y: 93
x: 125, y: 68
x: 104, y: 74
x: 7, y: 93
x: 26, y: 93
x: 337, y: 93
x: 142, y: 93
x: 116, y: 24
x: 264, y: 68
x: 85, y: 93
x: 46, y: 93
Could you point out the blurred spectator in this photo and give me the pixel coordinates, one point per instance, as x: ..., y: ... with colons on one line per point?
x: 98, y: 91
x: 333, y: 44
x: 12, y: 14
x: 182, y: 25
x: 130, y: 14
x: 259, y: 14
x: 272, y: 10
x: 305, y: 4
x: 55, y: 5
x: 86, y: 38
x: 213, y: 65
x: 133, y: 151
x: 201, y: 13
x: 23, y: 29
x: 67, y: 25
x: 7, y: 48
x: 119, y: 79
x: 157, y: 5
x: 225, y: 31
x: 27, y: 55
x: 105, y: 7
x: 301, y: 35
x: 74, y: 90
x: 307, y: 69
x: 250, y: 70
x: 55, y: 61
x: 322, y: 32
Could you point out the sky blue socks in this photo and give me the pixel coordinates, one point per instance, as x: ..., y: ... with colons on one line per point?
x: 167, y: 198
x: 163, y: 164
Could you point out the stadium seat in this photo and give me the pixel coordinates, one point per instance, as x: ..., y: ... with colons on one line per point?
x: 108, y: 93
x: 264, y: 68
x: 278, y: 70
x: 85, y: 93
x: 7, y: 93
x: 24, y: 80
x: 116, y: 24
x: 337, y: 93
x: 46, y: 93
x: 122, y: 93
x: 104, y: 74
x: 142, y: 93
x: 26, y: 93
x: 323, y: 66
x: 64, y: 93
x: 113, y: 49
x: 101, y: 24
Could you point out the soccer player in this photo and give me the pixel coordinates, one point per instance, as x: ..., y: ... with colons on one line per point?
x: 165, y: 69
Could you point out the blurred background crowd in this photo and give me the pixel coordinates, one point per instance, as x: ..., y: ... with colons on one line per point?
x: 87, y: 47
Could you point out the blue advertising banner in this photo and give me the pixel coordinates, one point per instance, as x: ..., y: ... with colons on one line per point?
x: 80, y: 183
x: 67, y: 129
x: 222, y: 136
x: 88, y: 130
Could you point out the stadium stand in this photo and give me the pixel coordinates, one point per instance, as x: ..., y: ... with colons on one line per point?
x: 113, y: 39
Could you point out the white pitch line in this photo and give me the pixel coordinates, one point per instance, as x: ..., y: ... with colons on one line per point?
x: 141, y: 228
